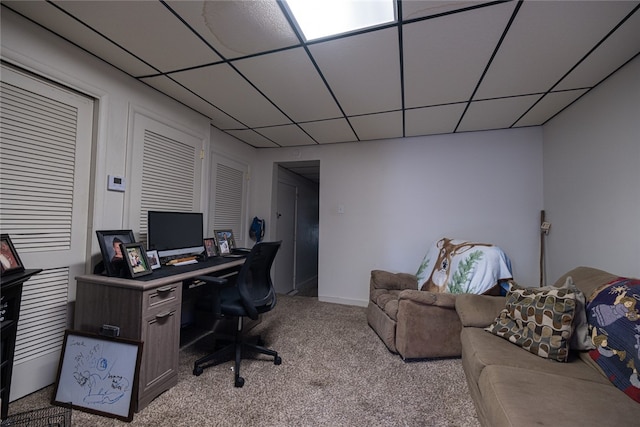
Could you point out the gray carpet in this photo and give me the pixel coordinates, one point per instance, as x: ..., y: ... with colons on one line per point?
x: 335, y: 372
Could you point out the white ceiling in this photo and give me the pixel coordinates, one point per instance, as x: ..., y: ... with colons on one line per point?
x: 448, y: 66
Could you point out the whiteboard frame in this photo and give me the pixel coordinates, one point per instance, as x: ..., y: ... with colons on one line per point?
x: 98, y: 374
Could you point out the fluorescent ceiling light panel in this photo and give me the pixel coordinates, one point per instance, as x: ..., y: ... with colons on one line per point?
x: 322, y: 18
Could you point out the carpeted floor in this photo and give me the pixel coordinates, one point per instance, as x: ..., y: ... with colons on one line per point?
x: 335, y: 372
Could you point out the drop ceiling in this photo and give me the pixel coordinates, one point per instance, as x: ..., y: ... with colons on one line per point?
x: 445, y: 67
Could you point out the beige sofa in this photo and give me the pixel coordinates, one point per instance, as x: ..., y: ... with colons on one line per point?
x: 512, y: 387
x: 415, y: 324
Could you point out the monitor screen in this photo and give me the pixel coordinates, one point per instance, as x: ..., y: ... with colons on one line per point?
x: 175, y: 233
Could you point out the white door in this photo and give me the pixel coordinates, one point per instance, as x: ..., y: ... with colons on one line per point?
x: 286, y: 232
x: 45, y: 157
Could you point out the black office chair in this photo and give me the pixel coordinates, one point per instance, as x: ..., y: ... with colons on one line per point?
x: 251, y: 295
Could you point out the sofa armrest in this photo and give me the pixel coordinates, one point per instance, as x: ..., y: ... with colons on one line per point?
x: 429, y: 298
x: 381, y: 279
x: 479, y: 310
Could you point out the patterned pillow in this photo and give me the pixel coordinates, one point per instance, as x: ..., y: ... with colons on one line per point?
x: 615, y: 330
x: 538, y: 320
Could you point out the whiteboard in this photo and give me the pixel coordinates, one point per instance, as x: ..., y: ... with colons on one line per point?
x: 98, y: 374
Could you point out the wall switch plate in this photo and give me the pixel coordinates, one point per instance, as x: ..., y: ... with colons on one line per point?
x: 115, y: 183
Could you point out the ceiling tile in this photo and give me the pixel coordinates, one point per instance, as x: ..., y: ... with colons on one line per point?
x: 287, y: 77
x: 549, y: 106
x: 495, y: 113
x: 329, y: 131
x: 238, y: 28
x: 226, y: 89
x: 252, y: 138
x: 363, y: 70
x: 412, y: 9
x: 621, y: 46
x: 147, y: 29
x: 378, y: 126
x: 442, y: 64
x: 218, y: 118
x: 546, y: 39
x: 433, y: 120
x: 69, y: 28
x: 288, y: 135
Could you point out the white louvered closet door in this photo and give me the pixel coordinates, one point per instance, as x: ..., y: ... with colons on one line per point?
x: 164, y: 169
x: 45, y: 157
x: 227, y: 209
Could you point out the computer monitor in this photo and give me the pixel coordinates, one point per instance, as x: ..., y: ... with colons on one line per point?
x: 175, y: 233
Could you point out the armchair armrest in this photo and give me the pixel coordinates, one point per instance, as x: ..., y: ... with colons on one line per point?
x: 479, y: 310
x: 381, y: 279
x: 429, y: 298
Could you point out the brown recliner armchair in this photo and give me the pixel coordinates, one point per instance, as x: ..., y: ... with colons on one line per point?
x: 421, y: 321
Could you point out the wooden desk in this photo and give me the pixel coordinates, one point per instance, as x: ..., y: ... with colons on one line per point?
x: 146, y: 309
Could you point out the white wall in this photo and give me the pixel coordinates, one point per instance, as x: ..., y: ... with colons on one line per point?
x: 592, y: 179
x: 400, y: 195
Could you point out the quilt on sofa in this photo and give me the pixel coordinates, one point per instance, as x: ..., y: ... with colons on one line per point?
x: 459, y: 267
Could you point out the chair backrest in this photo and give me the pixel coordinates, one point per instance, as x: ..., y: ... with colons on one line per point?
x: 254, y: 279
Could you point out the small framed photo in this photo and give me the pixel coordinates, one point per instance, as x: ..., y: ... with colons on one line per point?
x: 225, y: 240
x: 154, y: 259
x: 9, y: 259
x: 110, y: 241
x: 136, y: 259
x: 210, y: 247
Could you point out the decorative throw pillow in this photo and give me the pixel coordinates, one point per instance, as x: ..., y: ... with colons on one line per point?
x: 538, y: 320
x: 580, y: 336
x: 615, y: 330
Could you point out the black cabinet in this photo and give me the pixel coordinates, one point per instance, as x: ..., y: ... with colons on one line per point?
x: 10, y: 313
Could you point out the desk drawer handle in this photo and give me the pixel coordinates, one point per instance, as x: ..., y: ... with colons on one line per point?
x: 165, y: 289
x: 163, y: 315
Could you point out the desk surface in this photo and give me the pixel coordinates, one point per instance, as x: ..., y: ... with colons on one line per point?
x: 166, y: 274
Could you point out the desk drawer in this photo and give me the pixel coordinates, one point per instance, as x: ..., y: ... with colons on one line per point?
x: 162, y: 296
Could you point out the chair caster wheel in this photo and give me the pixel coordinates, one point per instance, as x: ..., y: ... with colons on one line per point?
x: 277, y: 360
x: 239, y: 382
x: 197, y: 371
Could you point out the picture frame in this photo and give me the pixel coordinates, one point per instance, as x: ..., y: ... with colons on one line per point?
x: 135, y: 257
x: 154, y: 259
x: 225, y: 241
x: 10, y: 261
x: 98, y: 374
x: 210, y: 247
x: 109, y: 241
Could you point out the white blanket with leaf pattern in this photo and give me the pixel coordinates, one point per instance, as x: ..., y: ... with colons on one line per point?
x: 460, y: 266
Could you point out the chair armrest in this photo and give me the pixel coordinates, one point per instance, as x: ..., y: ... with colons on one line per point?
x: 429, y: 298
x: 381, y: 279
x: 479, y: 311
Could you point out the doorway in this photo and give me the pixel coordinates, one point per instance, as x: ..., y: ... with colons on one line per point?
x: 297, y: 218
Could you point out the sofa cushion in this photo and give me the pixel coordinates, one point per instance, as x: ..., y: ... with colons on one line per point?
x: 478, y: 310
x: 615, y: 322
x: 481, y: 349
x: 587, y: 279
x: 538, y: 320
x: 523, y: 397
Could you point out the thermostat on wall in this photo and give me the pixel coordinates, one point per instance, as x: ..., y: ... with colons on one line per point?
x: 115, y: 183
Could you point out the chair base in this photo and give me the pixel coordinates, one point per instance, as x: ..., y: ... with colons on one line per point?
x: 238, y: 350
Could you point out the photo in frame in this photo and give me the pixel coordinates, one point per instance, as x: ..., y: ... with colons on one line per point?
x: 9, y: 259
x: 98, y: 374
x: 110, y: 241
x: 135, y: 257
x: 225, y: 241
x: 154, y: 259
x: 210, y: 248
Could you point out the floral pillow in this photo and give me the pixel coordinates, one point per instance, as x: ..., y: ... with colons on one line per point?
x: 614, y: 321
